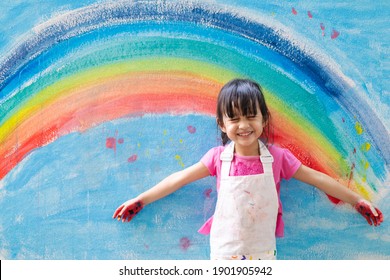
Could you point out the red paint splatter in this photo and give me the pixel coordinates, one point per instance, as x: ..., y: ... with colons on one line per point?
x: 120, y: 141
x: 191, y: 129
x: 322, y: 28
x: 351, y: 174
x: 111, y: 143
x: 207, y: 193
x: 132, y: 158
x: 309, y: 14
x: 185, y: 243
x: 334, y: 34
x: 294, y: 11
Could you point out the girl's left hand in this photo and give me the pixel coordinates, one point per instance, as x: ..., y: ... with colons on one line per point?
x: 372, y: 214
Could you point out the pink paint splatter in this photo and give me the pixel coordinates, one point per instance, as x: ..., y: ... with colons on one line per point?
x: 294, y: 11
x: 191, y: 129
x: 185, y: 243
x: 120, y: 141
x: 322, y: 28
x: 309, y: 14
x: 334, y: 34
x: 111, y: 143
x: 207, y: 193
x: 132, y: 158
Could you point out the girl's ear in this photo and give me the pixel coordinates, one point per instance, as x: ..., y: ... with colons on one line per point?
x: 221, y: 125
x: 265, y: 123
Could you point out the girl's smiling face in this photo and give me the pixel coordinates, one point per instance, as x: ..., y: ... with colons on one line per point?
x: 242, y: 115
x: 244, y: 130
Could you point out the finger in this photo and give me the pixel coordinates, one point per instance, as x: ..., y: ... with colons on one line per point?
x: 373, y: 210
x: 124, y: 215
x: 117, y: 212
x: 130, y: 218
x: 380, y: 216
x: 368, y: 219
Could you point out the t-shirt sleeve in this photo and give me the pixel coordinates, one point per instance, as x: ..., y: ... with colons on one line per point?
x: 290, y: 164
x: 209, y: 160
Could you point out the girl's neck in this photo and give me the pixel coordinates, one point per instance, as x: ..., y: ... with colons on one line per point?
x: 252, y: 150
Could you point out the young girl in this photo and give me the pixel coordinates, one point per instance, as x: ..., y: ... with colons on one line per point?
x: 248, y: 214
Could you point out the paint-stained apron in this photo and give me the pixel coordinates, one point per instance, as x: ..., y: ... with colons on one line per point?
x: 245, y: 216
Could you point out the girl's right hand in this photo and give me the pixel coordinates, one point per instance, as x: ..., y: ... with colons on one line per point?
x: 127, y: 211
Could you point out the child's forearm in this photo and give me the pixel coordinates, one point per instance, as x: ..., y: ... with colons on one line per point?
x: 327, y: 184
x: 333, y: 188
x: 165, y: 187
x: 174, y: 182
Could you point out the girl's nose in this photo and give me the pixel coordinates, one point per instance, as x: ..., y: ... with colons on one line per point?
x: 243, y: 123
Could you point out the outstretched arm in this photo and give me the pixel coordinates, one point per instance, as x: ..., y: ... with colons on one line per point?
x: 170, y: 184
x: 333, y: 188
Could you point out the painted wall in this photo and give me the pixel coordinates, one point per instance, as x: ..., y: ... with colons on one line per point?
x: 101, y: 100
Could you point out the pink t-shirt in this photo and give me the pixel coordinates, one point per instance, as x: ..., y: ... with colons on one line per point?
x: 284, y: 167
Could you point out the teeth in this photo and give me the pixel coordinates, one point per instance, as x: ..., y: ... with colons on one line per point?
x: 244, y: 134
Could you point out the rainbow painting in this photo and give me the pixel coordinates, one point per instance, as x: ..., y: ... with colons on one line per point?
x: 101, y: 100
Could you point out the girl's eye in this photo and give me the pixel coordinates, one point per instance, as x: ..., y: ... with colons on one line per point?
x: 251, y: 117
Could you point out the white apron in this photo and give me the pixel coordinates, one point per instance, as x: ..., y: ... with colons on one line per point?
x: 245, y: 217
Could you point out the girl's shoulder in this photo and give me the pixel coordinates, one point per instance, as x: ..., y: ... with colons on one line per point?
x: 215, y: 152
x: 276, y: 150
x: 283, y: 156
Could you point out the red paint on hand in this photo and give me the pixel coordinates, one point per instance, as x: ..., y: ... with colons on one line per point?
x: 372, y: 214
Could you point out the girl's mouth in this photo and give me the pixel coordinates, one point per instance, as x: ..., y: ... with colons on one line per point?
x: 245, y: 134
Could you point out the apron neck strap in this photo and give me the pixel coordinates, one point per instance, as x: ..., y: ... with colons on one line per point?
x: 227, y: 157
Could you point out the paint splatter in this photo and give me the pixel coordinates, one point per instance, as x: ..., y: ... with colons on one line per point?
x: 294, y: 11
x: 323, y: 34
x: 179, y: 160
x: 309, y: 14
x: 111, y: 143
x: 191, y: 129
x: 358, y: 128
x: 133, y: 158
x: 351, y: 174
x: 334, y: 34
x: 366, y: 147
x: 185, y: 243
x: 207, y: 193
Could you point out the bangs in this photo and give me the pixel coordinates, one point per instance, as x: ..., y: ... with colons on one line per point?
x: 241, y: 101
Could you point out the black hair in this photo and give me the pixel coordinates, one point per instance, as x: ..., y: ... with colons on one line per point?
x: 242, y: 96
